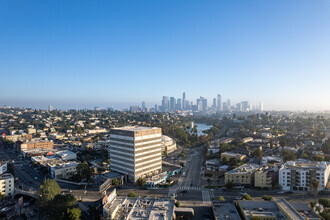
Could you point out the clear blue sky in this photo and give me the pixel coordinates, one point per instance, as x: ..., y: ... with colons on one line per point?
x: 76, y: 54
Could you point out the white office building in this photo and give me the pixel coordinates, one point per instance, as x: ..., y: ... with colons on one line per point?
x: 135, y: 151
x: 7, y: 184
x: 297, y: 175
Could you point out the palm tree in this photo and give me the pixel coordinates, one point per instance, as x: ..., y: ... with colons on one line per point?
x: 315, y: 184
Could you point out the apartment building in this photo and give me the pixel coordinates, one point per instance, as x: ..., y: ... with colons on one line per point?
x: 243, y: 175
x: 297, y: 175
x: 7, y: 184
x: 265, y: 177
x: 35, y: 144
x: 135, y: 151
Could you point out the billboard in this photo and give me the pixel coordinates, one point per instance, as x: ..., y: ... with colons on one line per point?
x: 106, y: 185
x: 20, y: 201
x: 3, y: 168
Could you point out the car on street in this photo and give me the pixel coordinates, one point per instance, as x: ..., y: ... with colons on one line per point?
x: 36, y: 178
x: 32, y: 214
x: 26, y: 204
x: 6, y: 209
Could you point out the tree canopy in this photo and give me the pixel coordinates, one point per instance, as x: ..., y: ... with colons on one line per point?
x: 141, y: 181
x: 84, y: 171
x: 71, y: 214
x: 47, y: 191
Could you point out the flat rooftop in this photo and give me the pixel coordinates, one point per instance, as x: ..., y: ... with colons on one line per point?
x: 140, y: 208
x: 225, y: 211
x: 307, y: 165
x: 134, y: 128
x: 232, y: 154
x: 246, y: 168
x: 6, y: 176
x: 261, y: 208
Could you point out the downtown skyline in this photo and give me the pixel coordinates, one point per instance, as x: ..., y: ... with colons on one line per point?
x: 120, y: 54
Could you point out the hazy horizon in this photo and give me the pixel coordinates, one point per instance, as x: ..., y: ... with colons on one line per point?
x: 120, y: 53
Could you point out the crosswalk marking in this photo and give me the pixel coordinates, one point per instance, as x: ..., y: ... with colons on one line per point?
x: 206, y: 197
x: 189, y: 188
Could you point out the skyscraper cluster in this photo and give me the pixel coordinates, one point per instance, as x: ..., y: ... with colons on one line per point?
x: 171, y: 104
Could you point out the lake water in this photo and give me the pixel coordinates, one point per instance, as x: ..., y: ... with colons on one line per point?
x: 202, y: 127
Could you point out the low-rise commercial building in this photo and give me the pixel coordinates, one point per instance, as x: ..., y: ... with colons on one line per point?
x: 297, y: 175
x: 62, y: 170
x: 23, y: 137
x: 117, y: 207
x: 225, y: 211
x: 267, y: 210
x: 243, y: 175
x: 35, y: 144
x: 7, y: 184
x: 66, y: 155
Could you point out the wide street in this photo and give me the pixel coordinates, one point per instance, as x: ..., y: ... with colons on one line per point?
x: 29, y: 178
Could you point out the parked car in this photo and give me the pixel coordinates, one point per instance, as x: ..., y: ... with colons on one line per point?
x: 6, y: 209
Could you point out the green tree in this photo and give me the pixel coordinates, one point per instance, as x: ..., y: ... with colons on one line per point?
x: 60, y: 204
x: 47, y: 191
x: 288, y: 155
x: 131, y: 194
x: 267, y: 197
x: 246, y: 197
x: 257, y: 153
x: 177, y: 204
x: 84, y: 171
x: 305, y: 156
x: 224, y: 160
x: 315, y: 184
x: 115, y: 183
x: 325, y: 202
x: 8, y: 143
x: 221, y: 199
x: 317, y: 157
x: 141, y: 182
x: 232, y: 162
x: 283, y: 141
x: 71, y: 214
x: 229, y: 185
x: 326, y: 147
